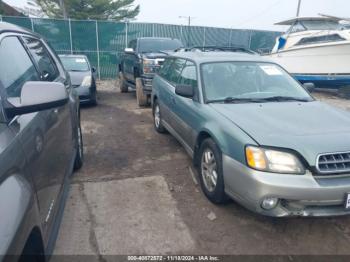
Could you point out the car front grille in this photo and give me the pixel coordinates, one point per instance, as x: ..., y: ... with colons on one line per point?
x: 333, y: 163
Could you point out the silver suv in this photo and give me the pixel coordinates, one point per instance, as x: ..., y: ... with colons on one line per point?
x: 40, y: 143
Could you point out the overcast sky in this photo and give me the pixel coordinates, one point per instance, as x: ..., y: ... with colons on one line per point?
x: 256, y: 14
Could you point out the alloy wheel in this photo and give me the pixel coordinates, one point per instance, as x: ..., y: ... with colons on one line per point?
x: 157, y: 116
x: 209, y: 170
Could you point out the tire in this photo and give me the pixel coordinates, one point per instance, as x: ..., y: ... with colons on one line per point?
x: 208, y: 153
x: 157, y: 119
x: 93, y: 101
x: 142, y: 99
x: 122, y: 83
x: 79, y: 157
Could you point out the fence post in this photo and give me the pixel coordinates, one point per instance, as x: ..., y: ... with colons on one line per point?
x: 204, y: 35
x: 98, y: 52
x: 231, y: 37
x: 181, y: 32
x: 152, y: 30
x: 32, y: 24
x: 126, y: 34
x: 70, y: 36
x: 250, y: 39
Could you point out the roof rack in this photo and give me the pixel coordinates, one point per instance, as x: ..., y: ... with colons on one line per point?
x: 216, y: 49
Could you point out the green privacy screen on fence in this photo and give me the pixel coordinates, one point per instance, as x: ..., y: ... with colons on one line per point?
x: 104, y: 41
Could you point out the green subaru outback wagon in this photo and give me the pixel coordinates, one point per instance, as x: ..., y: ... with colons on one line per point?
x: 256, y: 135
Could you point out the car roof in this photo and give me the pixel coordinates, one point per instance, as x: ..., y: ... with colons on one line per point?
x: 7, y: 27
x: 207, y: 57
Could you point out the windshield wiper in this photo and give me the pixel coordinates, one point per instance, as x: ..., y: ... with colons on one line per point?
x: 236, y: 100
x: 285, y: 98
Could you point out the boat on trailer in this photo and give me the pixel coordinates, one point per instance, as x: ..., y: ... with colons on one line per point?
x: 315, y: 49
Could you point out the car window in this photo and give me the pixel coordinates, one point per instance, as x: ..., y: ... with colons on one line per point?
x: 47, y: 68
x: 15, y: 74
x: 75, y: 64
x: 164, y: 70
x: 189, y: 75
x: 156, y: 45
x: 132, y: 44
x: 175, y: 71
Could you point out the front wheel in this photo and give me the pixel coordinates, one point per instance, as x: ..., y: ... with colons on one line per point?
x: 211, y: 172
x: 79, y: 158
x: 142, y: 98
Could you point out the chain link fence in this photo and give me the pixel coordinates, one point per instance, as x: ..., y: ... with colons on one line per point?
x: 104, y: 41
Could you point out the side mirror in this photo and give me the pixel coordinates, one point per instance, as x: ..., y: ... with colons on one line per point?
x: 39, y: 96
x: 129, y: 51
x: 309, y: 87
x: 184, y: 90
x: 93, y: 69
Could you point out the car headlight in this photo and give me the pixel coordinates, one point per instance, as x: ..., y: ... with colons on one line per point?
x: 86, y: 81
x: 269, y: 160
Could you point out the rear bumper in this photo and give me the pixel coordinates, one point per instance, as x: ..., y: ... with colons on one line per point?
x: 325, y: 81
x: 299, y: 195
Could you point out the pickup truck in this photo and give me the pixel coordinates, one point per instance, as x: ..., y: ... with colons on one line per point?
x: 141, y: 60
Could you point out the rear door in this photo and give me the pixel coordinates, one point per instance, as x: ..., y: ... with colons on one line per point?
x: 130, y: 61
x: 170, y: 74
x: 187, y: 110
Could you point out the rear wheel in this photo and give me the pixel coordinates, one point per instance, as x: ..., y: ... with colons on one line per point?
x: 142, y: 98
x: 79, y: 158
x: 211, y: 172
x: 122, y: 83
x: 158, y: 126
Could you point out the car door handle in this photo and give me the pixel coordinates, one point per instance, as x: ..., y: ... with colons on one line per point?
x: 173, y: 100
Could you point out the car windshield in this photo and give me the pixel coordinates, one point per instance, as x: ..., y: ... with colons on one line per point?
x: 156, y: 45
x: 250, y: 82
x: 75, y: 64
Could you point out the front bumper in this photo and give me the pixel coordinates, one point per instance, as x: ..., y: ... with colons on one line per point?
x: 85, y: 94
x: 147, y: 80
x: 300, y: 195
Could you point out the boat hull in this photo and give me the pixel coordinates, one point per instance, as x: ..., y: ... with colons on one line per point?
x: 323, y: 64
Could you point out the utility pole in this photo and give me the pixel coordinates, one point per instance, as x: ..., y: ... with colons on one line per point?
x: 189, y: 18
x: 63, y: 8
x: 299, y: 6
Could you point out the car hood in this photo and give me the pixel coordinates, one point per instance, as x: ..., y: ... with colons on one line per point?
x: 309, y: 128
x: 78, y: 77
